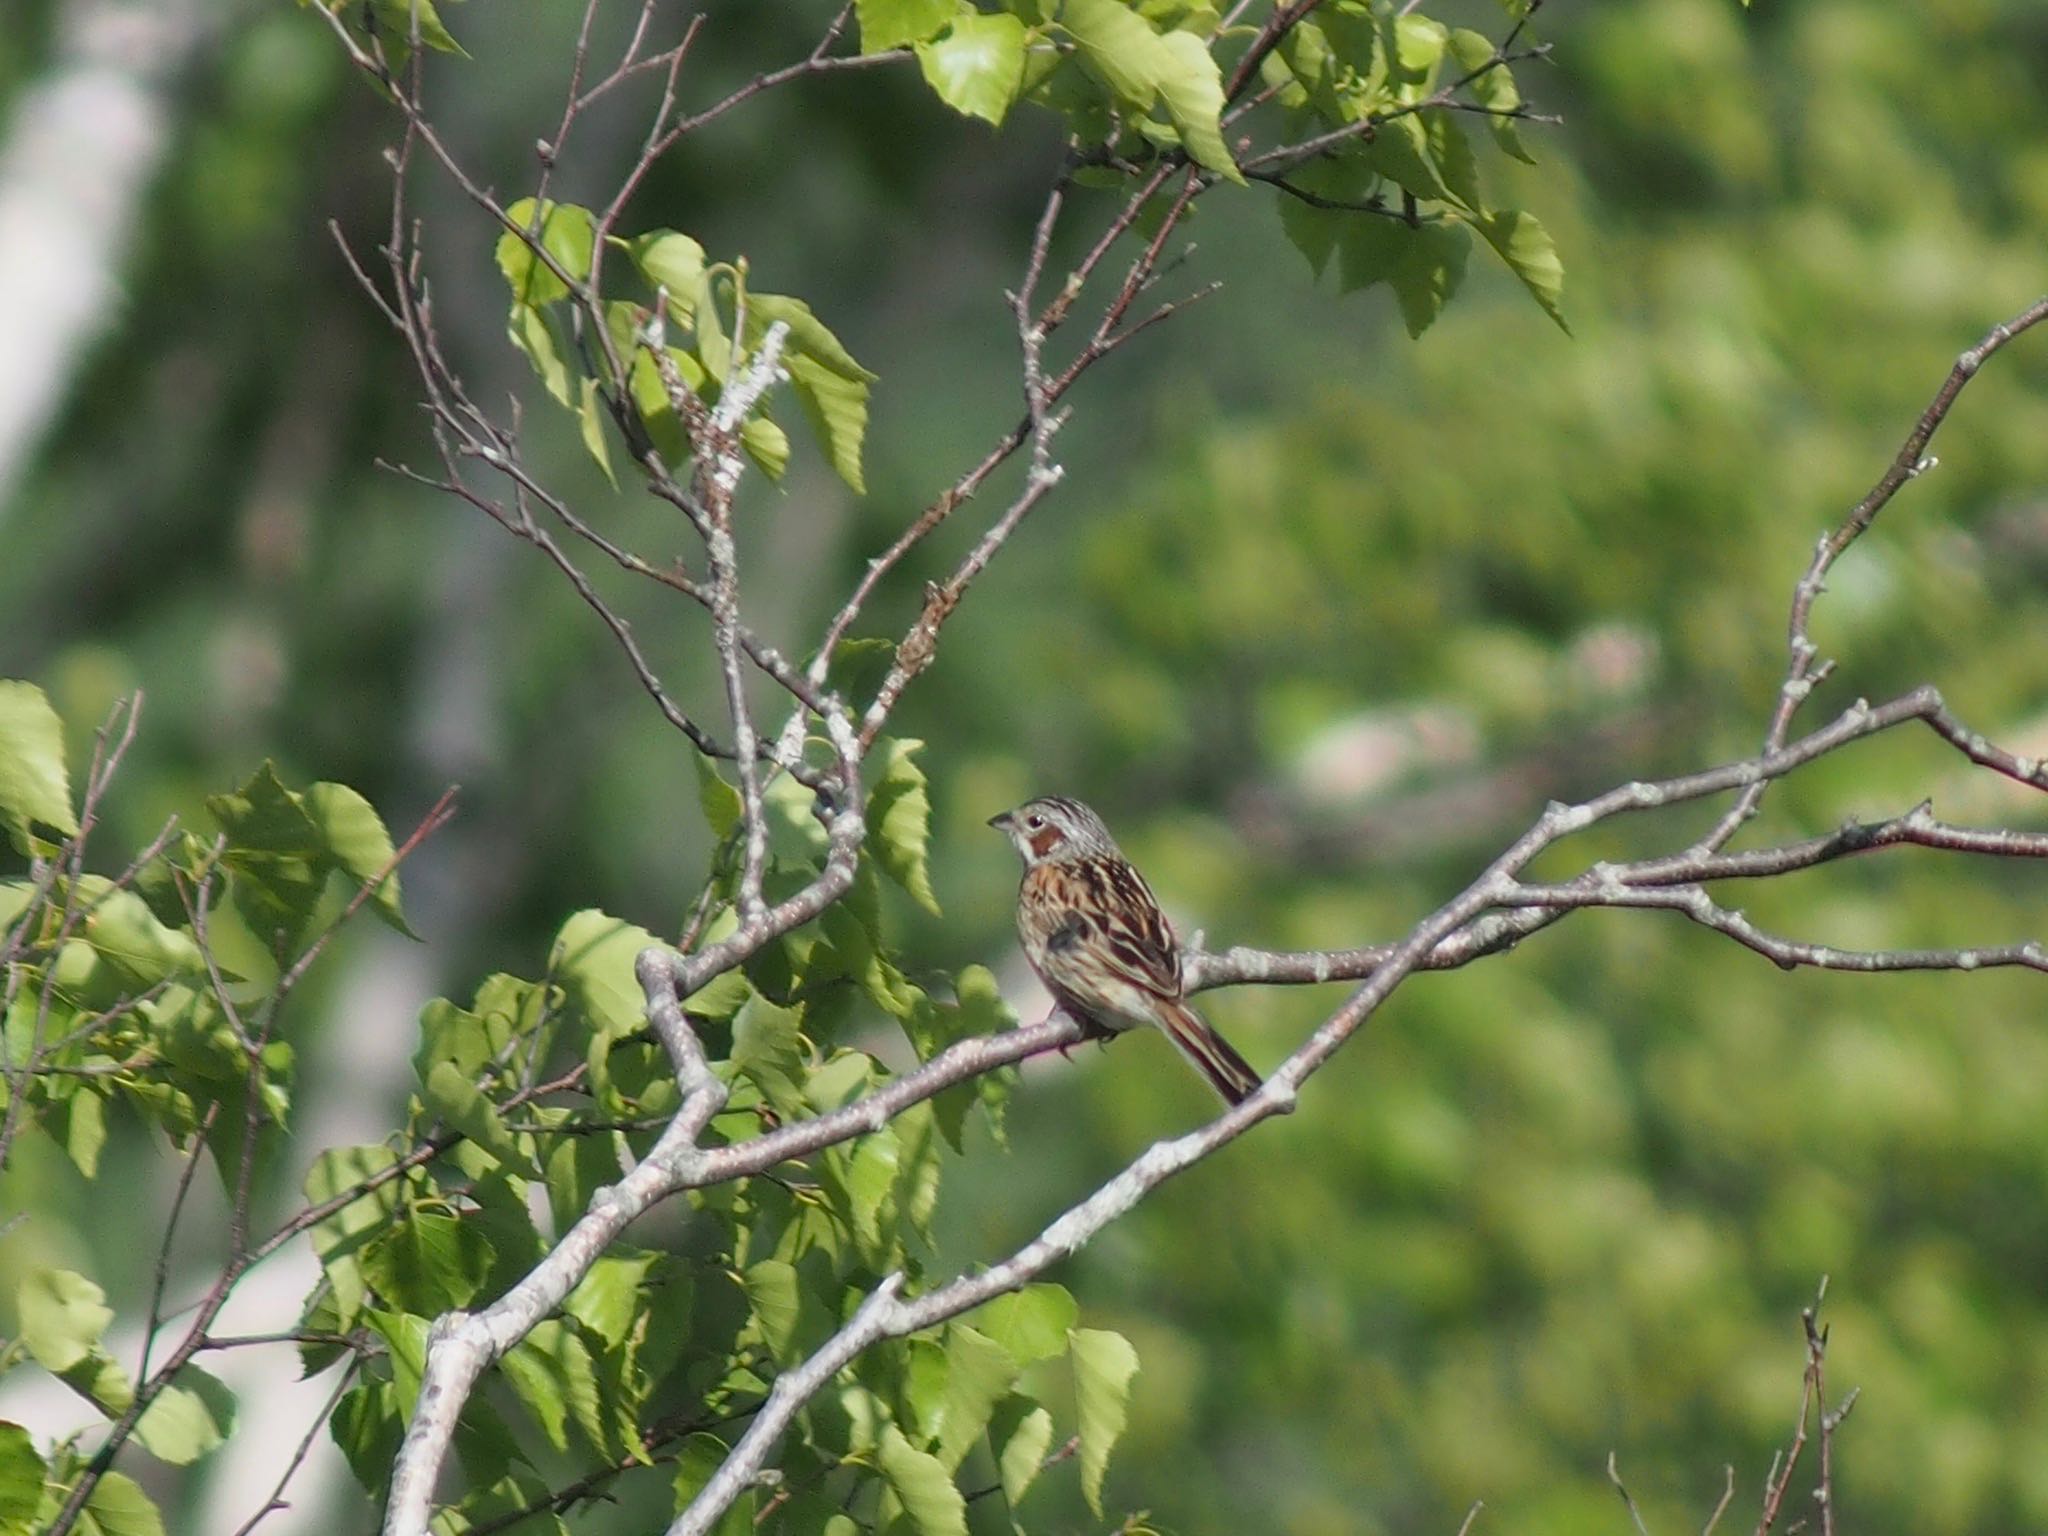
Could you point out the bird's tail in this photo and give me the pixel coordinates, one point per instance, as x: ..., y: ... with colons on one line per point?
x: 1211, y: 1055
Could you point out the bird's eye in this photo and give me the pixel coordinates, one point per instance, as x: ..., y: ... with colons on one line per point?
x: 1034, y: 822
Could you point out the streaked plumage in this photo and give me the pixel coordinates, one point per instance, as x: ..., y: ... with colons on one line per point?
x: 1093, y: 931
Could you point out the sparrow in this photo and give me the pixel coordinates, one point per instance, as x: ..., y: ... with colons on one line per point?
x: 1093, y: 931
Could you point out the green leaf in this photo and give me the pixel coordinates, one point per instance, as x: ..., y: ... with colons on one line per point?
x: 1191, y: 88
x: 528, y: 328
x: 35, y: 787
x: 1400, y: 152
x: 1495, y: 90
x: 1032, y: 1324
x: 977, y: 68
x: 979, y: 1373
x: 339, y: 1237
x: 899, y: 821
x: 607, y: 1299
x: 396, y: 19
x: 117, y: 1506
x: 366, y: 1425
x: 457, y: 1101
x: 195, y: 1414
x: 355, y: 839
x: 1104, y: 1364
x: 886, y: 24
x: 1525, y: 245
x: 1452, y: 152
x: 1417, y: 48
x: 719, y: 800
x: 80, y: 1124
x: 1021, y: 1433
x: 768, y: 1050
x: 1424, y: 264
x: 766, y: 444
x: 672, y: 261
x: 1119, y: 45
x: 61, y: 1315
x: 552, y: 1373
x: 428, y: 1263
x: 592, y: 961
x: 697, y: 1461
x: 771, y: 1292
x: 564, y: 230
x: 21, y: 1480
x: 122, y: 929
x: 922, y: 1485
x: 405, y: 1338
x: 837, y: 409
x: 591, y: 416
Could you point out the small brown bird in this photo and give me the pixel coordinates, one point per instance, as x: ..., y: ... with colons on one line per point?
x: 1093, y: 931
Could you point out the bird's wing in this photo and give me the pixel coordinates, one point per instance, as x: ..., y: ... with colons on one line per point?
x: 1134, y: 938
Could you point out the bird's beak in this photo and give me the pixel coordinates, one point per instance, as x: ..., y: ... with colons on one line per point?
x: 1004, y: 822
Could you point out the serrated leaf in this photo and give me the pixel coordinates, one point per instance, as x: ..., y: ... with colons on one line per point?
x: 1400, y: 151
x: 35, y: 785
x: 886, y: 24
x: 768, y: 1051
x: 921, y: 1484
x: 1417, y: 48
x: 397, y: 18
x: 1021, y: 1433
x: 1525, y: 245
x: 195, y: 1414
x: 979, y: 1372
x: 899, y: 821
x: 528, y: 329
x: 1191, y: 89
x: 1452, y: 152
x: 607, y: 1299
x: 1104, y: 1364
x: 405, y: 1340
x: 565, y: 231
x: 552, y: 1373
x: 1424, y: 264
x: 1495, y: 90
x: 117, y: 1506
x: 458, y: 1103
x: 672, y: 261
x: 122, y: 929
x: 355, y: 838
x: 766, y: 444
x: 697, y: 1461
x: 771, y: 1292
x: 591, y: 416
x: 21, y: 1480
x: 837, y: 409
x: 428, y: 1263
x: 719, y: 800
x: 1119, y: 45
x: 977, y: 68
x: 61, y: 1315
x: 1032, y: 1324
x: 592, y: 961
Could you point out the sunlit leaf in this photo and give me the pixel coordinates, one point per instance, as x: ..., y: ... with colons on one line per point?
x: 886, y: 24
x: 565, y: 231
x: 1032, y: 1324
x: 35, y: 786
x: 1525, y: 245
x: 1104, y: 1364
x: 899, y: 820
x: 923, y: 1486
x: 977, y: 67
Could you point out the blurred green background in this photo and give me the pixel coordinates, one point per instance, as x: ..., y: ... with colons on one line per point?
x: 1319, y: 620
